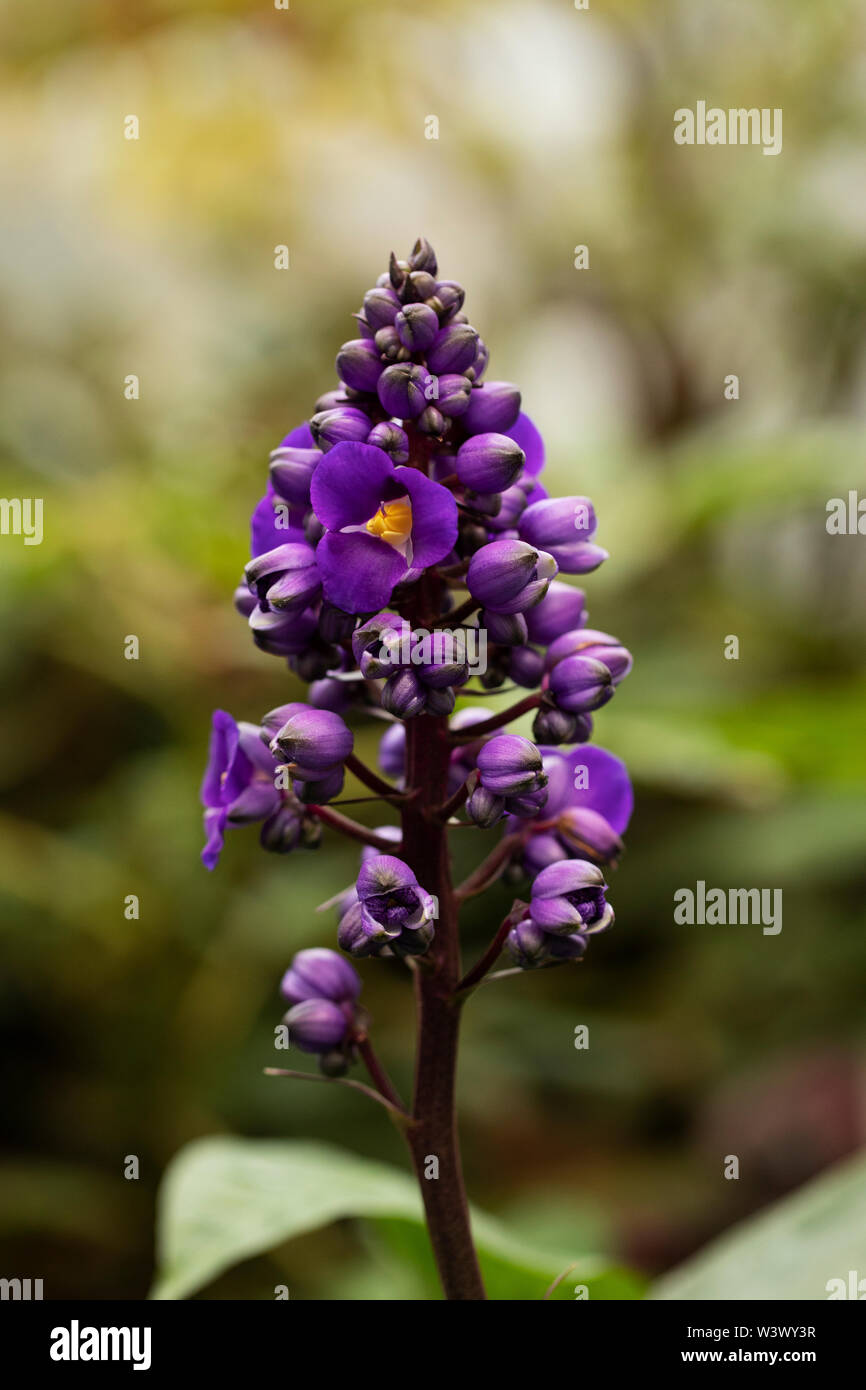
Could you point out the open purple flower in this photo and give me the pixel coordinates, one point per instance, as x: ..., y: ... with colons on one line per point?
x: 589, y: 805
x: 238, y: 786
x: 381, y: 522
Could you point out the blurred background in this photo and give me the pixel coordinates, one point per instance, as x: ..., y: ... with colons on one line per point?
x: 155, y: 257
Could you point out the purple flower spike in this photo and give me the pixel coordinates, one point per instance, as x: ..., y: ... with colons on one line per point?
x: 509, y: 576
x: 563, y: 526
x: 489, y: 462
x: 317, y: 1025
x: 317, y: 740
x: 238, y: 786
x: 381, y: 522
x: 320, y: 974
x: 493, y: 406
x: 570, y: 896
x: 579, y: 684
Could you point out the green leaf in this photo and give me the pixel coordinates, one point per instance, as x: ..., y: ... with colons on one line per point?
x: 787, y: 1252
x: 224, y: 1200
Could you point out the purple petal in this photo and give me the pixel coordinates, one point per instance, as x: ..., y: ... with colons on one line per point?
x: 214, y: 829
x: 609, y: 791
x: 223, y: 745
x: 348, y: 485
x: 358, y: 570
x: 434, y: 517
x: 268, y: 528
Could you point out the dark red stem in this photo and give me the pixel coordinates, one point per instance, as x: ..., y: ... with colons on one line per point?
x: 432, y: 1139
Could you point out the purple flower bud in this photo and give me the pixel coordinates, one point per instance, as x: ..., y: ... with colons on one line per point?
x: 482, y: 357
x: 281, y: 831
x: 401, y: 390
x: 416, y: 326
x: 329, y: 693
x: 512, y: 504
x: 439, y: 702
x: 563, y: 526
x: 281, y: 633
x: 335, y: 625
x: 358, y: 364
x: 510, y: 765
x: 423, y: 256
x: 530, y: 947
x: 489, y: 462
x: 528, y: 804
x: 570, y: 896
x: 527, y: 944
x: 493, y: 406
x: 392, y: 752
x: 454, y: 349
x: 291, y: 471
x: 244, y: 601
x: 580, y: 684
x: 562, y: 609
x: 316, y: 1025
x: 598, y: 645
x: 391, y: 898
x: 485, y: 808
x: 351, y: 936
x: 285, y: 579
x: 555, y: 726
x: 587, y: 832
x: 336, y: 426
x: 381, y: 307
x: 403, y: 695
x: 451, y: 296
x: 388, y: 345
x: 454, y: 393
x: 317, y: 740
x: 322, y: 789
x: 331, y: 400
x: 506, y: 629
x: 413, y: 943
x: 509, y: 576
x: 447, y: 664
x: 526, y: 667
x: 392, y: 439
x: 432, y: 422
x: 320, y: 974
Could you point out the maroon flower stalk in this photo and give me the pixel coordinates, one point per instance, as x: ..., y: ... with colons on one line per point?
x: 403, y: 555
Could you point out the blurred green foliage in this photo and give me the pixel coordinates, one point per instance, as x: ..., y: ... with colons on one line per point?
x: 155, y: 257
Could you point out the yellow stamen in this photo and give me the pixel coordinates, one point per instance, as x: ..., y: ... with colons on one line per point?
x: 392, y: 522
